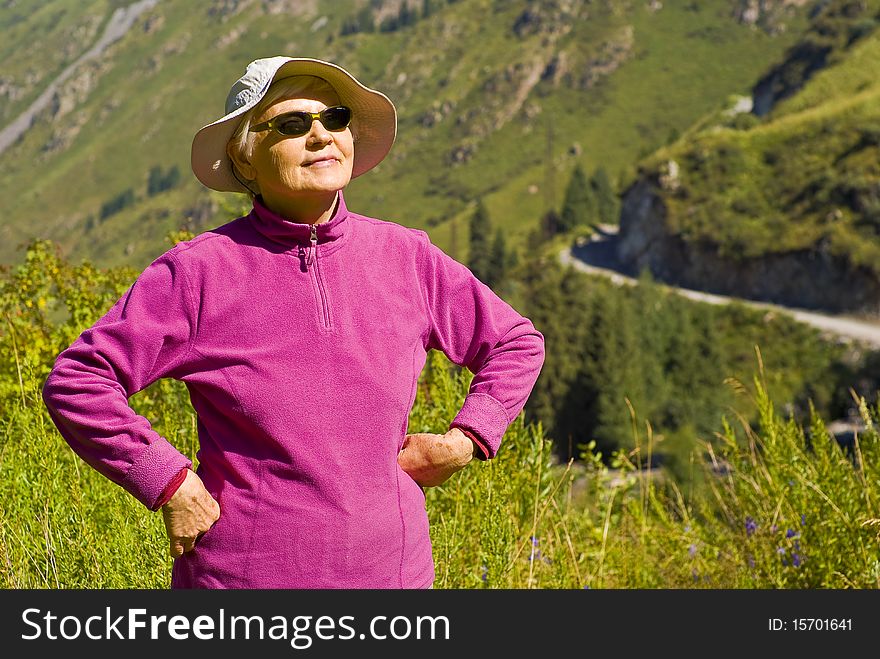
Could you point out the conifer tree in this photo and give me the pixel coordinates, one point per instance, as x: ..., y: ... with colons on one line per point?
x: 612, y: 368
x: 574, y: 320
x: 578, y: 207
x: 542, y: 298
x: 607, y: 203
x: 498, y: 260
x: 655, y: 329
x: 478, y: 247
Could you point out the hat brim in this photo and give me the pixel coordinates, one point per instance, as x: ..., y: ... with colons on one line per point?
x: 374, y: 120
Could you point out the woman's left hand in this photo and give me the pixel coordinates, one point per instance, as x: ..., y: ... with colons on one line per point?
x: 430, y: 459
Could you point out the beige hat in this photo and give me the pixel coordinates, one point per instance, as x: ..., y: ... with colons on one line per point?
x: 374, y: 117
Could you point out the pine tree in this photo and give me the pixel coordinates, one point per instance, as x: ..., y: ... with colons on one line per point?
x: 611, y: 373
x: 499, y: 262
x: 478, y: 247
x: 607, y: 203
x: 542, y: 299
x: 578, y: 208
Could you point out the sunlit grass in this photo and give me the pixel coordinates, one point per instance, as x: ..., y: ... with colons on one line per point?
x: 783, y: 506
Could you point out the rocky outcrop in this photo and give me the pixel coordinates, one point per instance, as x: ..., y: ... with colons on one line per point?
x: 812, y: 278
x: 768, y: 15
x: 289, y: 7
x: 548, y: 17
x: 836, y: 25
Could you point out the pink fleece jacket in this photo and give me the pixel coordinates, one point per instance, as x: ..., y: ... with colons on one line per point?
x: 301, y: 347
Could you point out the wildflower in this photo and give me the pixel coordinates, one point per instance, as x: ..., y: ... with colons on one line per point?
x: 534, y: 540
x: 587, y: 587
x: 796, y: 560
x: 790, y: 533
x: 751, y: 561
x: 692, y: 550
x: 773, y: 528
x: 751, y: 526
x: 485, y: 573
x: 797, y: 545
x: 803, y: 520
x: 687, y: 529
x: 791, y: 481
x: 535, y: 555
x: 695, y: 575
x: 780, y: 550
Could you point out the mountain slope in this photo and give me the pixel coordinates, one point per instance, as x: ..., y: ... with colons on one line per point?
x: 497, y: 99
x: 785, y: 208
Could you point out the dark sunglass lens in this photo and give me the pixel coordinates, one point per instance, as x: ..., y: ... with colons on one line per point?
x: 336, y: 118
x: 293, y: 124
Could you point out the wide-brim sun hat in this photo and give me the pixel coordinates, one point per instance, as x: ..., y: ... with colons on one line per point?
x: 374, y: 117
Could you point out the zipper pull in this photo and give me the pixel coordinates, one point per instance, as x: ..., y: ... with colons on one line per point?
x: 314, y: 239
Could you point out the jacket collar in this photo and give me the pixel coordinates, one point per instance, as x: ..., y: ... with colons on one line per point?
x: 276, y: 228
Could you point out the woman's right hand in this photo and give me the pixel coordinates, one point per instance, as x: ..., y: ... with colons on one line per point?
x: 189, y: 513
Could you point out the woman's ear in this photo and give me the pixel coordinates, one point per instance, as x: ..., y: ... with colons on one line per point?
x: 243, y: 166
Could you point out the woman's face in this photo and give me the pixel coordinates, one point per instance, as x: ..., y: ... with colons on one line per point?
x: 319, y: 162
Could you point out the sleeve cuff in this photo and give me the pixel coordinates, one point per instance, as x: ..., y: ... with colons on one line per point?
x: 157, y: 465
x: 485, y: 418
x: 173, y: 486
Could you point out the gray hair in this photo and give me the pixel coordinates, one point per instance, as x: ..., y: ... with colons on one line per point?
x: 242, y: 140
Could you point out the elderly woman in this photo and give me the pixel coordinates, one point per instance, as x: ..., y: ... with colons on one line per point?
x: 300, y: 331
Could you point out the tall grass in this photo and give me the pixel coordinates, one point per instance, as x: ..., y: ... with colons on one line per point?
x: 783, y: 506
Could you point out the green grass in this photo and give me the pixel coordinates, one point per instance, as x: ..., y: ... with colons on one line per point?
x: 519, y: 521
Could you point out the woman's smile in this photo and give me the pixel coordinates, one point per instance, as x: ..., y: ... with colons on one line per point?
x: 322, y: 163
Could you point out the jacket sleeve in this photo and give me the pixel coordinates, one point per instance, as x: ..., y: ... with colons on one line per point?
x: 145, y: 336
x: 480, y: 331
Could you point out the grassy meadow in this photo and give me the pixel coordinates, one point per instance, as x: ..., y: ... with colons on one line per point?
x: 783, y: 505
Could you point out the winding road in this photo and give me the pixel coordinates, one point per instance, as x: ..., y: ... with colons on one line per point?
x: 120, y: 21
x: 598, y: 256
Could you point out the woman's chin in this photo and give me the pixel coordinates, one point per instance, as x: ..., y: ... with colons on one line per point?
x: 328, y: 183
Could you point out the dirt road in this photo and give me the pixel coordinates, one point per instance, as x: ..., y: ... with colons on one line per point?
x: 598, y: 256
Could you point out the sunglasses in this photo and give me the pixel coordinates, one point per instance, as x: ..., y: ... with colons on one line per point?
x: 297, y: 122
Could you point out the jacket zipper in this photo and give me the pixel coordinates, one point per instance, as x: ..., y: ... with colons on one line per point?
x: 313, y: 258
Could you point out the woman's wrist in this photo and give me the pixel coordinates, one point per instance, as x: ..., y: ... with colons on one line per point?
x: 172, y: 487
x: 479, y: 449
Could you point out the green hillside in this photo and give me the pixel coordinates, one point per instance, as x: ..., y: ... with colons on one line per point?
x: 805, y: 174
x: 498, y: 109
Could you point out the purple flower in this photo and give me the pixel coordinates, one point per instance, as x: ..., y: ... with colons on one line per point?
x: 803, y: 520
x: 796, y: 560
x: 790, y: 533
x: 535, y: 555
x: 797, y: 545
x: 773, y: 528
x: 692, y: 550
x: 534, y: 540
x: 780, y: 550
x: 751, y: 526
x: 485, y: 572
x: 695, y: 575
x: 687, y: 529
x: 587, y: 587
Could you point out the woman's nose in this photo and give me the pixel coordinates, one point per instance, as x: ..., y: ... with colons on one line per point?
x: 318, y: 134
